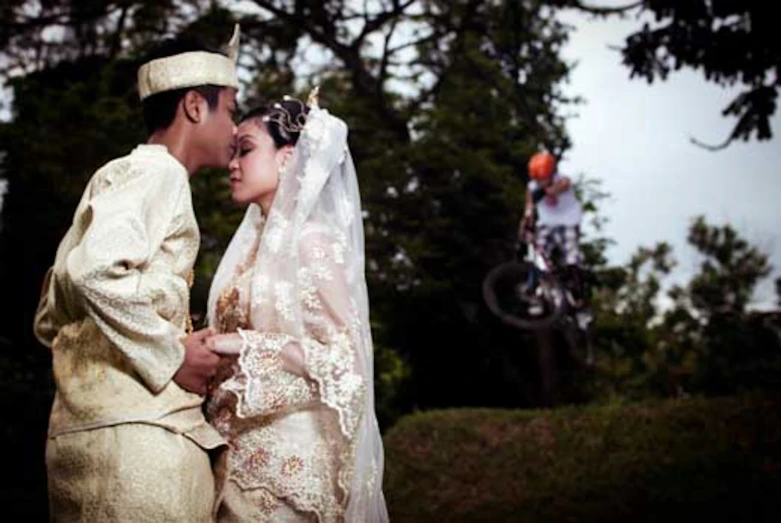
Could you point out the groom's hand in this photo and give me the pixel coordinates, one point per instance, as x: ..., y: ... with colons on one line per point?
x: 200, y: 364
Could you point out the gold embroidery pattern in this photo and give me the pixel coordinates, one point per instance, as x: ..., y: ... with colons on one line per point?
x: 118, y: 302
x: 190, y: 279
x: 298, y: 470
x: 266, y: 501
x: 122, y: 298
x: 332, y: 366
x: 268, y: 387
x: 231, y: 315
x: 292, y: 466
x: 258, y: 459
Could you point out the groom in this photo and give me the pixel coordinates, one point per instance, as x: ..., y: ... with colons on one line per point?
x: 127, y: 438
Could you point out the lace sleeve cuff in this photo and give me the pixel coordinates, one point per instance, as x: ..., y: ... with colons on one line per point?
x: 263, y: 386
x: 341, y: 386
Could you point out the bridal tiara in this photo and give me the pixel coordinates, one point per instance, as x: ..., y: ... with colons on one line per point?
x: 282, y: 117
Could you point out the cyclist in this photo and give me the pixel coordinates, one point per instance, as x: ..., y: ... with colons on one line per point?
x: 559, y: 213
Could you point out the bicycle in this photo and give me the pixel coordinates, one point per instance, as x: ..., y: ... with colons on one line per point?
x: 530, y: 293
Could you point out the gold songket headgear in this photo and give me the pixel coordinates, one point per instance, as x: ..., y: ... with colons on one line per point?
x: 190, y: 69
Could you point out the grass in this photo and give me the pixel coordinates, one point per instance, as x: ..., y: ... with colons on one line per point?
x: 694, y: 459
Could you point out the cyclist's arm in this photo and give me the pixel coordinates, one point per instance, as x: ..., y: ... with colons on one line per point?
x: 528, y: 212
x: 529, y: 208
x: 559, y: 186
x: 534, y: 196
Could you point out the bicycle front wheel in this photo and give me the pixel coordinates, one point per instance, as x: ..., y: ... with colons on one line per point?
x: 509, y: 295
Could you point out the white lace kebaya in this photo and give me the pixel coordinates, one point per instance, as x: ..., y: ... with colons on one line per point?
x: 298, y: 404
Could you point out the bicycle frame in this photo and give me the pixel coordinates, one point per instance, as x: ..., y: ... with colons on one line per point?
x: 536, y: 257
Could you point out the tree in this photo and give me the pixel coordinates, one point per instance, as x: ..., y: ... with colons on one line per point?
x: 730, y: 348
x: 707, y: 341
x: 732, y: 42
x: 626, y: 304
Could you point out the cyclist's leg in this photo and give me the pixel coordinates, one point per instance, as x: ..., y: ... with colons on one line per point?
x: 578, y: 278
x: 542, y: 242
x: 545, y: 239
x: 573, y: 259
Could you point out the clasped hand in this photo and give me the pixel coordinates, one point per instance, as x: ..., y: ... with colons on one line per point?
x: 203, y: 351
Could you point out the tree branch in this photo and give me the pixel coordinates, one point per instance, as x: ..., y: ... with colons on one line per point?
x: 383, y: 72
x: 328, y: 40
x: 379, y: 20
x: 458, y: 46
x: 41, y: 21
x: 363, y: 82
x: 433, y: 36
x: 116, y: 43
x: 712, y: 148
x: 604, y: 11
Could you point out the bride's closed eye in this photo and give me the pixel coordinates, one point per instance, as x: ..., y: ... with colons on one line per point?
x: 243, y: 147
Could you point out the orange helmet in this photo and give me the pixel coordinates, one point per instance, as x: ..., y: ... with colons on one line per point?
x: 542, y: 165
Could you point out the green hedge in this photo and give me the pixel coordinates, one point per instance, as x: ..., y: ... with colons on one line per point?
x: 695, y: 459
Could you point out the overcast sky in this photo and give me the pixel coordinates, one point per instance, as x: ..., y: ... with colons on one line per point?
x: 635, y: 138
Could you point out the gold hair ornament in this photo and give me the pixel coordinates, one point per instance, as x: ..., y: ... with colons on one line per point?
x: 282, y: 117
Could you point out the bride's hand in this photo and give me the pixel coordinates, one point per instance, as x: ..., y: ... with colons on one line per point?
x: 225, y: 344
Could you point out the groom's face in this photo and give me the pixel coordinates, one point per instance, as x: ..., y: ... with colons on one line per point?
x: 219, y: 129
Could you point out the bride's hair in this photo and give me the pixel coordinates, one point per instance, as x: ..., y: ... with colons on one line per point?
x: 283, y: 120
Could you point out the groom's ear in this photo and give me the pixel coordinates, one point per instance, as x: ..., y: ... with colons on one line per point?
x: 193, y: 105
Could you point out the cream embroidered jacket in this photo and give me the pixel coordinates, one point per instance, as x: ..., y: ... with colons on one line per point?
x: 115, y: 304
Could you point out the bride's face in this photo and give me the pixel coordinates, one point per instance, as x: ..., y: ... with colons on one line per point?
x: 254, y: 169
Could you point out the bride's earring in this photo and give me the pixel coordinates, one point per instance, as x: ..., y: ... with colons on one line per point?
x: 284, y: 164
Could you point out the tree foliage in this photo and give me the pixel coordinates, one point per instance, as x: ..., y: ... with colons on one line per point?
x: 706, y: 339
x: 731, y: 42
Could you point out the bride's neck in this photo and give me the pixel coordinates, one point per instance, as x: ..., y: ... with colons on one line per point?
x: 265, y: 203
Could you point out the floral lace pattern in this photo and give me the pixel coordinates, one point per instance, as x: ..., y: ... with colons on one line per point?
x: 341, y: 388
x: 297, y: 406
x: 317, y: 475
x: 278, y: 466
x: 267, y: 387
x: 330, y: 348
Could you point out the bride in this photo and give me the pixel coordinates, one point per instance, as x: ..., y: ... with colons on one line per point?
x: 289, y: 302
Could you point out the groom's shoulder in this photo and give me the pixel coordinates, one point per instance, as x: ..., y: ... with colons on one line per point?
x: 154, y: 168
